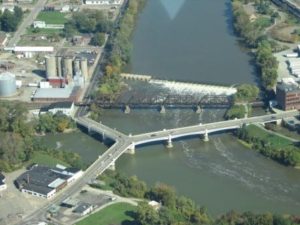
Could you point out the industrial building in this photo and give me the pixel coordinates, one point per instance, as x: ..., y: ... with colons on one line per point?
x: 8, y: 85
x: 3, y: 186
x: 288, y: 95
x: 45, y: 182
x: 83, y: 209
x: 61, y: 70
x: 29, y: 51
x: 57, y: 94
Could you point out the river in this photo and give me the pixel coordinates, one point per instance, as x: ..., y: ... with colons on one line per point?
x: 193, y: 40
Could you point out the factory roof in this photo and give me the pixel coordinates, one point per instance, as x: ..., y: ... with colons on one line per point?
x: 33, y: 49
x: 56, y: 183
x: 53, y: 93
x: 288, y: 87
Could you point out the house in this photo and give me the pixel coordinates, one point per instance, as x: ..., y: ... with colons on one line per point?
x: 83, y: 209
x: 103, y: 2
x: 288, y: 95
x: 3, y: 186
x: 43, y: 181
x: 39, y: 24
x: 3, y: 39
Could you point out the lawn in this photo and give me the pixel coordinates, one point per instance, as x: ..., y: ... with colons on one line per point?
x: 274, y: 139
x: 44, y: 159
x: 52, y: 17
x: 42, y: 31
x: 117, y: 214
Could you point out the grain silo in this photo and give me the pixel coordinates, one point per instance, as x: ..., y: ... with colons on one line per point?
x: 59, y: 66
x: 76, y: 65
x: 84, y: 68
x: 68, y: 68
x: 7, y: 84
x: 50, y: 66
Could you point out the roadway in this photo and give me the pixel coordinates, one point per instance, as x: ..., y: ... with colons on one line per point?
x: 27, y: 21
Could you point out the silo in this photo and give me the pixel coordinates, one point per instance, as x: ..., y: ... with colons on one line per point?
x: 84, y: 68
x: 7, y: 84
x: 68, y: 68
x: 59, y: 66
x: 50, y: 66
x: 76, y: 65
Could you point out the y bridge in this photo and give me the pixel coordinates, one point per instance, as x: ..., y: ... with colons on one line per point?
x: 127, y: 143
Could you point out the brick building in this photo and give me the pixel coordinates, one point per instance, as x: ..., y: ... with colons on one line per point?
x: 288, y: 96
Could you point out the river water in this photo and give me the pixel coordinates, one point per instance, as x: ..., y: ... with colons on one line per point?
x: 193, y: 40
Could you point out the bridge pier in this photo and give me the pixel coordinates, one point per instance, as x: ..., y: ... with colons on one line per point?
x: 205, y: 136
x: 127, y: 109
x: 112, y: 166
x: 199, y: 109
x: 169, y: 142
x: 162, y: 109
x: 278, y: 122
x: 103, y: 136
x: 131, y: 149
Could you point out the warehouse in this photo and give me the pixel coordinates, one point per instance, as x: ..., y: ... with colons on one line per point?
x: 43, y: 181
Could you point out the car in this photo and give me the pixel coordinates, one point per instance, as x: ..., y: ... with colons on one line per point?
x: 153, y: 135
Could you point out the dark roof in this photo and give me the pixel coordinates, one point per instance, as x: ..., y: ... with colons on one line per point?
x: 72, y: 170
x: 61, y: 105
x: 1, y: 182
x: 82, y: 207
x: 288, y: 87
x: 2, y: 177
x: 38, y: 178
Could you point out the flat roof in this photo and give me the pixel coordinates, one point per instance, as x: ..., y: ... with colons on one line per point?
x: 288, y: 87
x: 33, y: 49
x: 53, y: 93
x: 56, y: 183
x: 82, y: 207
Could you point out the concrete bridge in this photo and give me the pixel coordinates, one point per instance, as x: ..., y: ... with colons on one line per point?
x: 127, y: 143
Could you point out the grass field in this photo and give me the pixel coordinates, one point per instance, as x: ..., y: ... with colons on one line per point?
x: 52, y: 17
x: 274, y: 139
x: 117, y: 214
x: 43, y: 159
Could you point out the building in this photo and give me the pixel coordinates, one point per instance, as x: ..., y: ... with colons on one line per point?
x: 57, y: 94
x: 43, y: 181
x: 83, y: 209
x: 155, y: 205
x: 3, y: 186
x: 29, y: 51
x: 66, y: 108
x: 288, y: 95
x: 103, y: 2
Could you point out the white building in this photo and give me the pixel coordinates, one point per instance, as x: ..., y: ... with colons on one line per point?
x: 84, y: 209
x: 103, y: 2
x: 39, y: 24
x: 3, y: 186
x: 66, y: 108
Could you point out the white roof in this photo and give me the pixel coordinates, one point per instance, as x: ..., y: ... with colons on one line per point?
x: 53, y: 93
x: 56, y: 183
x: 33, y: 49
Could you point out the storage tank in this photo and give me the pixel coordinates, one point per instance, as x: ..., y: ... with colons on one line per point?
x: 76, y: 65
x: 68, y: 68
x: 7, y: 84
x: 50, y: 66
x: 59, y: 66
x: 84, y: 68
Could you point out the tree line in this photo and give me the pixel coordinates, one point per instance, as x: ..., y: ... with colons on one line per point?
x: 10, y: 21
x: 180, y: 210
x: 18, y: 140
x: 252, y: 33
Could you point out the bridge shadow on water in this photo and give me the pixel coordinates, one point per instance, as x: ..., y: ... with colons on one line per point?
x: 105, y: 140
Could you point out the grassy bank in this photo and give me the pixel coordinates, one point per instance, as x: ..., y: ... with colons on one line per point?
x: 271, y: 145
x: 118, y: 213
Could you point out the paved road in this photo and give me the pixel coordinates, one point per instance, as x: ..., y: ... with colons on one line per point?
x: 26, y: 22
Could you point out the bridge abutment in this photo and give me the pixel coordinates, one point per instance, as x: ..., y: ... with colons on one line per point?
x: 205, y: 136
x: 112, y: 166
x: 127, y: 109
x: 131, y: 149
x: 169, y: 143
x: 162, y: 109
x: 199, y: 109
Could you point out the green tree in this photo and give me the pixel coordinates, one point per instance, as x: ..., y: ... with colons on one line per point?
x: 8, y: 21
x: 98, y: 39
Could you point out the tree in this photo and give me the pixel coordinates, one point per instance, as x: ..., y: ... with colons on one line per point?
x: 98, y: 39
x: 8, y: 21
x: 18, y: 12
x: 146, y: 215
x: 246, y: 92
